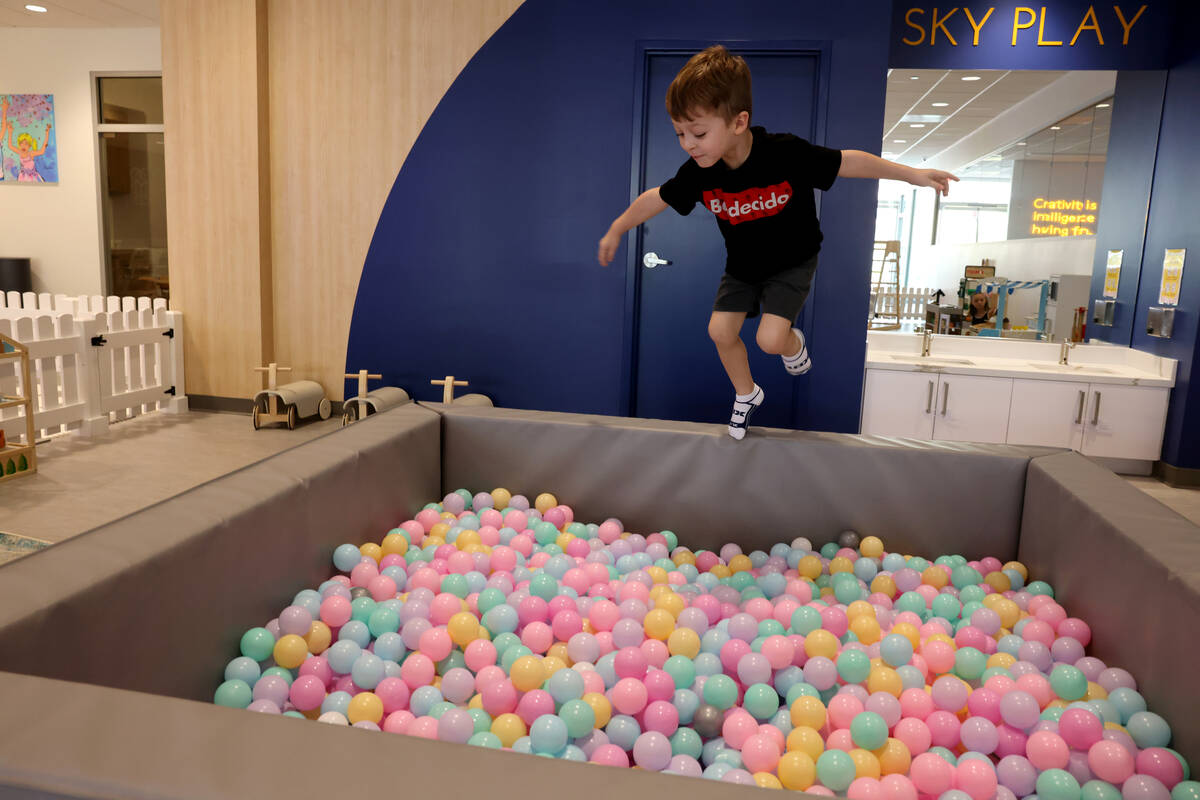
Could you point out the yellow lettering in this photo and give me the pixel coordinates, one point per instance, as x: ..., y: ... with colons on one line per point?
x: 1039, y: 202
x: 1083, y: 26
x: 1017, y: 26
x: 941, y: 23
x: 1042, y: 29
x: 908, y: 19
x: 978, y: 27
x: 1127, y: 25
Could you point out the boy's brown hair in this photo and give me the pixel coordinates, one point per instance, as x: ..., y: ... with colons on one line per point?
x: 712, y: 80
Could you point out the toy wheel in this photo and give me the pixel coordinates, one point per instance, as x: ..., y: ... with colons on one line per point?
x: 291, y: 418
x: 254, y: 417
x: 349, y: 414
x: 325, y: 408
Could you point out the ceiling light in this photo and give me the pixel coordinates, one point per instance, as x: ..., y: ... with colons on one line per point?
x: 1056, y: 127
x: 939, y: 105
x: 1102, y: 105
x: 916, y: 124
x: 970, y: 77
x: 900, y: 141
x: 914, y: 77
x: 1020, y: 144
x: 38, y: 9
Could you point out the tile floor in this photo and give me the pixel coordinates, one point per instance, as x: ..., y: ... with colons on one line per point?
x: 82, y: 483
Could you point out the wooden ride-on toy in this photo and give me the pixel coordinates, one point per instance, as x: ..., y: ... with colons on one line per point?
x: 366, y: 403
x: 289, y: 402
x: 448, y: 383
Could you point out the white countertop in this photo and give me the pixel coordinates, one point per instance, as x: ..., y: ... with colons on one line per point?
x: 1016, y: 358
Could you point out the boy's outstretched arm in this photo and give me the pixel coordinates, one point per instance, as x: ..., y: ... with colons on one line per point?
x: 643, y: 208
x: 859, y: 164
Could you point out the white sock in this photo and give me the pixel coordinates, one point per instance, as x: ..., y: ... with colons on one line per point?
x: 745, y: 398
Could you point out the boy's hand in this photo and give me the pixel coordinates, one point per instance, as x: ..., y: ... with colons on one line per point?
x: 935, y: 178
x: 608, y: 248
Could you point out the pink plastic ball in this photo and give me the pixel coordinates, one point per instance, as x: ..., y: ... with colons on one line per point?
x: 915, y: 735
x: 307, y: 692
x: 931, y: 774
x: 534, y: 704
x: 760, y: 753
x: 842, y: 709
x: 423, y: 727
x: 1160, y: 764
x: 975, y: 777
x: 630, y: 662
x: 916, y: 703
x: 944, y: 728
x: 335, y: 611
x: 1110, y: 761
x: 662, y: 717
x: 865, y: 789
x: 897, y: 787
x: 417, y: 670
x: 436, y: 643
x: 1080, y: 729
x: 398, y: 721
x: 738, y: 727
x: 610, y: 755
x: 479, y: 654
x: 393, y: 692
x: 498, y: 697
x: 629, y: 696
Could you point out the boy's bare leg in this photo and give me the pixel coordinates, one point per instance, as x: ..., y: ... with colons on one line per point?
x: 724, y: 328
x: 777, y: 336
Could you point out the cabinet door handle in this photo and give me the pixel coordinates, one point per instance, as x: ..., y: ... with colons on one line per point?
x: 1079, y: 413
x: 945, y: 397
x: 929, y: 399
x: 1096, y: 411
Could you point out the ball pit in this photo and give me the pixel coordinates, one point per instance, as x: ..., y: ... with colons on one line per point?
x: 491, y: 621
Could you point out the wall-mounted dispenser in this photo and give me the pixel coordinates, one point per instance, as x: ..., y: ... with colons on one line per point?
x: 1103, y: 311
x: 1161, y: 321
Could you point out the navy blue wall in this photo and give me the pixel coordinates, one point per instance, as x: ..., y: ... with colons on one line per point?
x: 1125, y: 200
x: 1174, y: 223
x: 483, y: 263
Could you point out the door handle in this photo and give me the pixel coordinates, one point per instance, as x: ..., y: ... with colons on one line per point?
x: 945, y: 397
x: 1096, y: 411
x: 651, y: 260
x: 929, y: 399
x: 1079, y: 413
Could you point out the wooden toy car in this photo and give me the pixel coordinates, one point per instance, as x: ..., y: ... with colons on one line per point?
x: 289, y: 402
x: 448, y: 383
x: 366, y: 403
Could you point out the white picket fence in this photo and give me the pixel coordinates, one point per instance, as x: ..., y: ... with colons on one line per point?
x: 910, y: 303
x: 93, y: 360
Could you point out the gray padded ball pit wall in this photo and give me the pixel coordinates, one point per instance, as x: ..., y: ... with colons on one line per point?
x: 110, y: 639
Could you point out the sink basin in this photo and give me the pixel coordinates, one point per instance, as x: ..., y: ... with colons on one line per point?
x: 1069, y: 367
x: 934, y: 361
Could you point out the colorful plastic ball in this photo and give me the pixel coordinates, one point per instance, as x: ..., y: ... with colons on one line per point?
x: 976, y: 777
x: 548, y: 734
x: 796, y: 770
x: 1057, y: 784
x: 761, y: 701
x: 1186, y: 790
x: 931, y: 774
x: 257, y: 643
x: 365, y: 706
x: 235, y: 693
x: 720, y: 691
x: 835, y: 770
x: 579, y: 718
x: 1160, y: 764
x: 652, y: 751
x: 869, y: 730
x: 508, y: 728
x: 1148, y: 729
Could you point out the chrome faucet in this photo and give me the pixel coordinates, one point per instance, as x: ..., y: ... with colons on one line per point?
x: 926, y: 338
x: 1062, y: 354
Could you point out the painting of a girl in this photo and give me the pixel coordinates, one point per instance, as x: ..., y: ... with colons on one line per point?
x: 24, y: 117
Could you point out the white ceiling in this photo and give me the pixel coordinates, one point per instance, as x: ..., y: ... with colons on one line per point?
x: 80, y: 14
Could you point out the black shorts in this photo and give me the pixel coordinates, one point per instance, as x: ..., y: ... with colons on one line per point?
x: 782, y: 294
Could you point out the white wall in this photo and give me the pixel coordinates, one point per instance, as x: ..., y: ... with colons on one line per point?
x: 58, y: 226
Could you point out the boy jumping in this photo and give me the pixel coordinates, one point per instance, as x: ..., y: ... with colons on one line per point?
x: 759, y: 186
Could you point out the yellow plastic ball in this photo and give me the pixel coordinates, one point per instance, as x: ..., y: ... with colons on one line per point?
x: 564, y: 539
x: 827, y: 592
x: 894, y: 757
x: 683, y: 642
x: 439, y: 531
x: 766, y: 780
x: 448, y: 516
x: 371, y: 550
x: 508, y: 728
x: 866, y: 628
x: 1004, y: 660
x: 1009, y: 611
x: 553, y: 664
x: 290, y: 651
x: 657, y: 574
x: 1019, y: 567
x: 883, y: 678
x: 683, y: 556
x: 883, y: 584
x: 527, y: 673
x: 720, y: 571
x: 394, y: 544
x: 806, y: 740
x: 1096, y: 692
x: 601, y: 707
x: 559, y: 650
x: 808, y: 711
x: 866, y: 765
x: 433, y: 541
x: 809, y: 567
x: 544, y: 502
x: 740, y: 563
x: 796, y: 770
x: 463, y: 628
x: 821, y: 643
x: 908, y: 631
x: 935, y: 576
x: 670, y: 602
x: 871, y: 547
x: 476, y: 701
x: 940, y: 637
x: 998, y: 581
x: 658, y: 624
x: 318, y: 638
x: 501, y: 498
x: 476, y: 548
x: 365, y: 706
x: 840, y: 564
x: 860, y: 608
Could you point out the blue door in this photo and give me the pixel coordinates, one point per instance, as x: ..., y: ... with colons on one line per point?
x: 676, y: 373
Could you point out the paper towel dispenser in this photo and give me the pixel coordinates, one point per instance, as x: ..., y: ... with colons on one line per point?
x: 1160, y: 321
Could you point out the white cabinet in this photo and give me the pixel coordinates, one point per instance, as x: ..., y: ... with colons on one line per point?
x: 928, y: 405
x: 971, y: 408
x: 1125, y: 421
x: 1047, y: 413
x: 899, y: 403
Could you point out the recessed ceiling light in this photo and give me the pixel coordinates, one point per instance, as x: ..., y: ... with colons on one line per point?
x: 970, y: 77
x: 939, y: 105
x: 1101, y: 105
x: 1056, y: 127
x: 916, y: 124
x: 914, y: 77
x: 1020, y: 144
x: 38, y: 9
x: 900, y: 141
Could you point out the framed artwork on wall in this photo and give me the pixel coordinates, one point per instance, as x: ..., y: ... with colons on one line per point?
x: 28, y: 144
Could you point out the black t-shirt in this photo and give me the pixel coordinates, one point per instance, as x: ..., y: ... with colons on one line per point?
x: 765, y: 207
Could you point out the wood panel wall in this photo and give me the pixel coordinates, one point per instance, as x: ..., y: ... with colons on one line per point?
x: 287, y: 122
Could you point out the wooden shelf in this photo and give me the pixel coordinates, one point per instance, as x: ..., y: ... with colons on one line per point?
x: 6, y: 403
x: 15, y: 453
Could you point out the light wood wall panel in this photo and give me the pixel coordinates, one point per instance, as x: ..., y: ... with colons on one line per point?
x: 351, y: 85
x: 216, y: 157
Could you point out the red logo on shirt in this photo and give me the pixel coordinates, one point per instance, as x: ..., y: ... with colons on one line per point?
x: 735, y: 207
